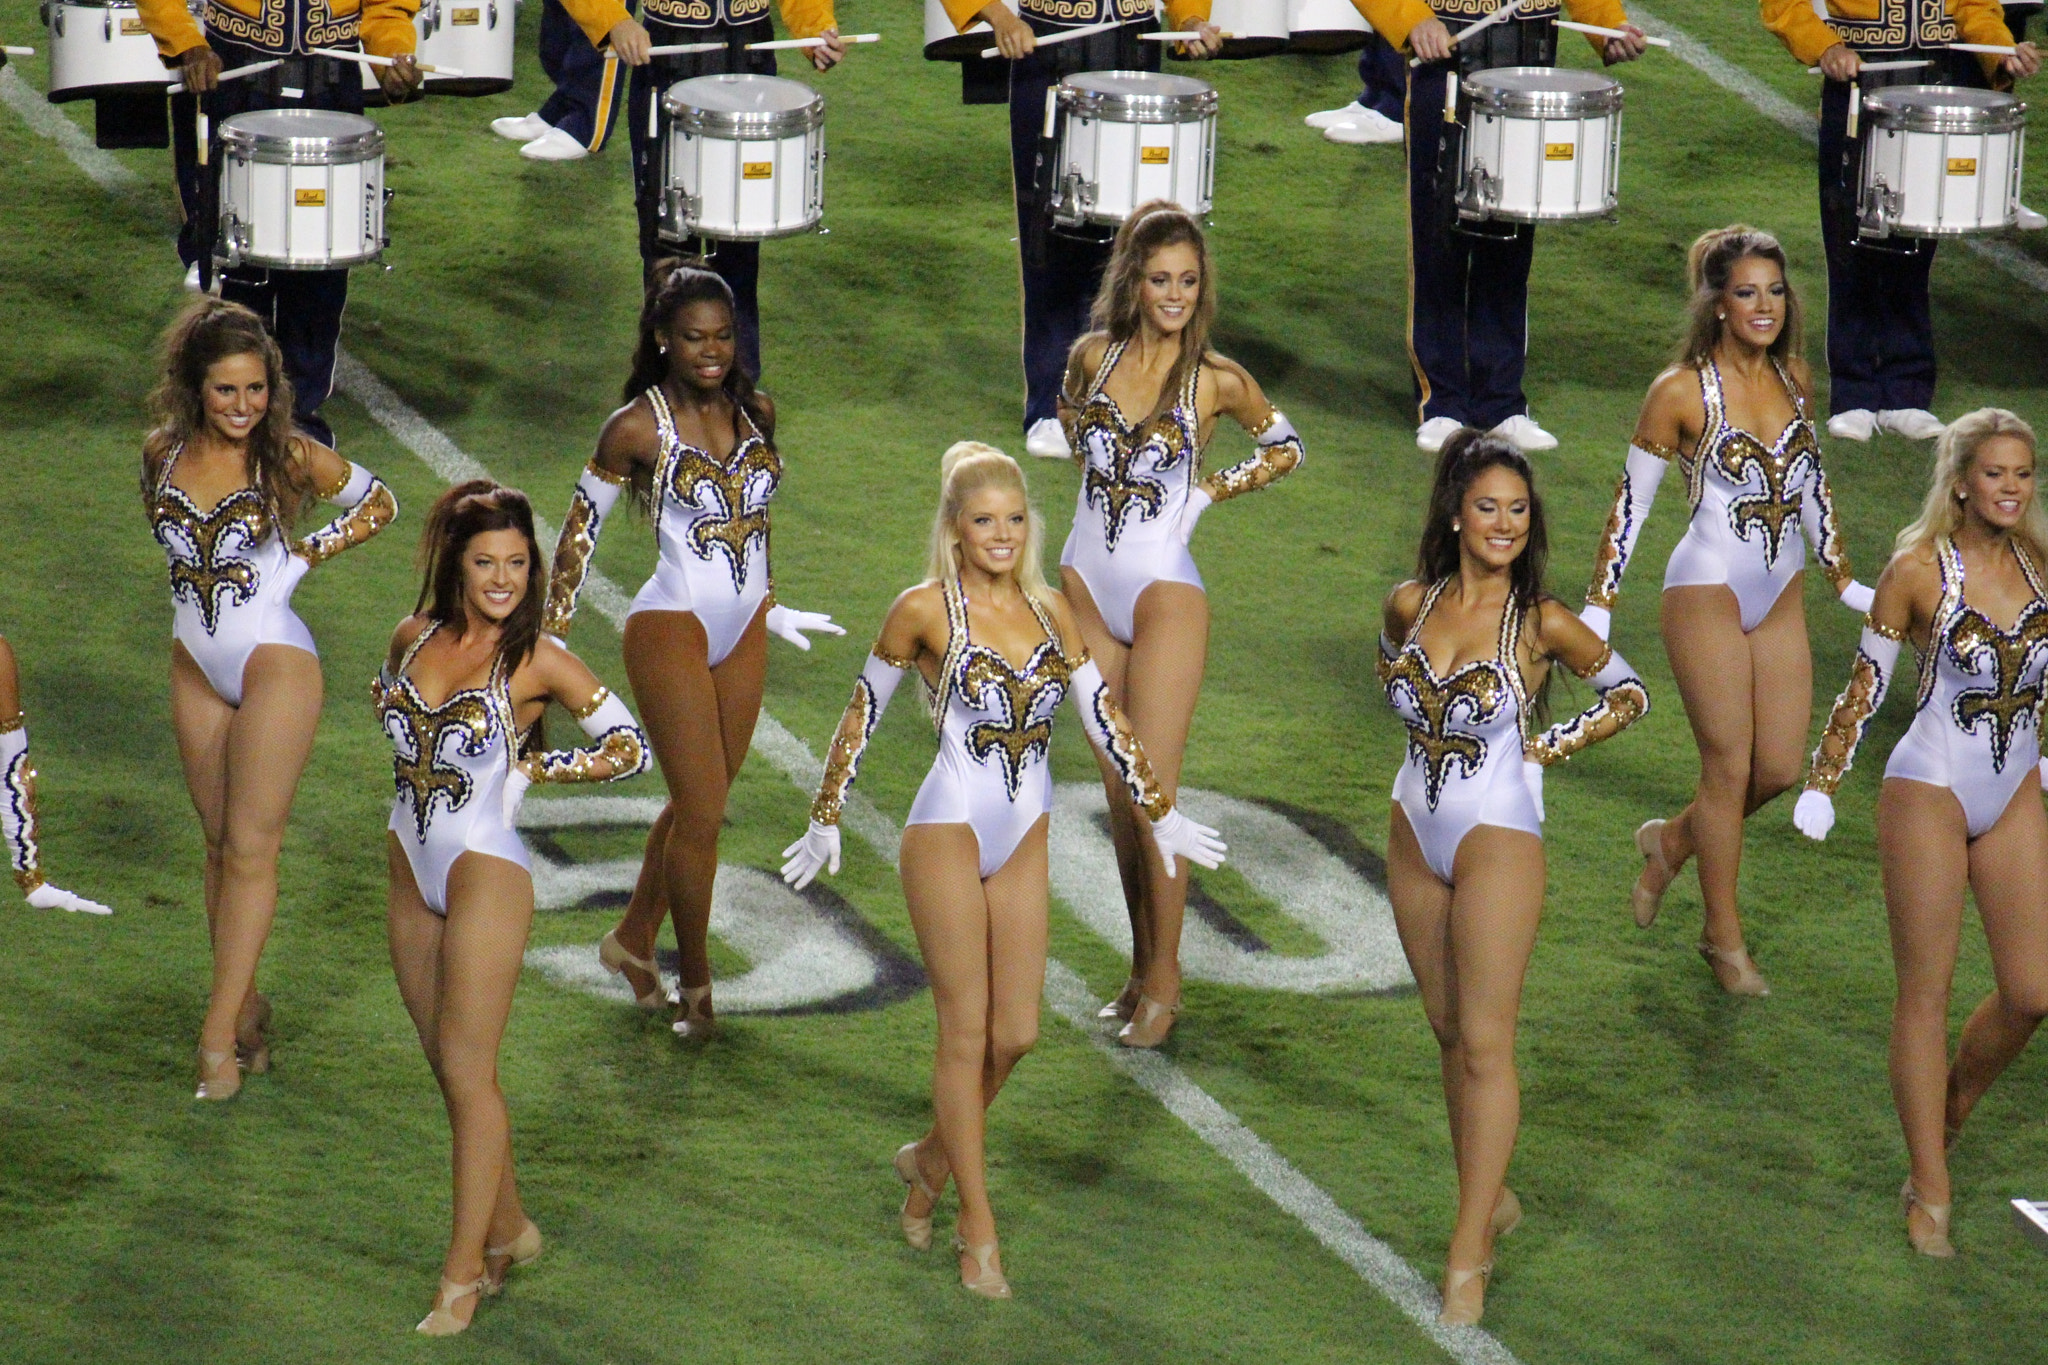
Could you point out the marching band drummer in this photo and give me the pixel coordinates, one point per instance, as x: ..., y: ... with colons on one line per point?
x: 1468, y: 302
x: 1880, y: 327
x: 1062, y: 273
x: 300, y: 308
x: 736, y: 23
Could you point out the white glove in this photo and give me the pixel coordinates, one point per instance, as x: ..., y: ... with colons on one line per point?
x: 1814, y: 816
x: 791, y: 624
x: 48, y: 897
x: 818, y: 848
x: 1858, y: 598
x: 1598, y: 619
x: 516, y: 783
x: 1532, y: 774
x: 1198, y: 503
x: 1176, y: 834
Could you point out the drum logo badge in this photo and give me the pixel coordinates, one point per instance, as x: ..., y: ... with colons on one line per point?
x: 133, y: 28
x: 1155, y: 156
x: 1962, y: 165
x: 757, y: 170
x: 1560, y: 151
x: 465, y: 18
x: 309, y: 199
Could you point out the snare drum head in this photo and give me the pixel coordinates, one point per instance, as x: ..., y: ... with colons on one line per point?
x: 742, y: 94
x: 1544, y: 91
x: 1944, y: 106
x: 281, y: 128
x: 1139, y: 85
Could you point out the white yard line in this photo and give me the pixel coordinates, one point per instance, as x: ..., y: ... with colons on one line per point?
x: 48, y: 121
x: 1789, y: 116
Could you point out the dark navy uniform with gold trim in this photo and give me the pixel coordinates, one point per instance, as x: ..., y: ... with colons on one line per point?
x: 575, y: 53
x: 736, y: 23
x: 1880, y: 321
x: 1468, y: 289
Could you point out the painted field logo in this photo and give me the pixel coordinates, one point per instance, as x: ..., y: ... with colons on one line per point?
x: 133, y: 28
x: 465, y: 18
x: 309, y: 199
x: 1962, y: 165
x: 757, y: 170
x: 1155, y: 156
x: 1559, y: 151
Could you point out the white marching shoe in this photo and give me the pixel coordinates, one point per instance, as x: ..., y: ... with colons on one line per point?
x: 520, y: 129
x: 1915, y: 424
x: 1857, y: 424
x: 1431, y: 435
x: 1047, y: 439
x: 554, y: 145
x: 2027, y: 220
x: 1521, y: 429
x: 1367, y: 126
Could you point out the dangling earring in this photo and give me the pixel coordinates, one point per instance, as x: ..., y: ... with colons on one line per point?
x: 1720, y: 317
x: 1457, y: 526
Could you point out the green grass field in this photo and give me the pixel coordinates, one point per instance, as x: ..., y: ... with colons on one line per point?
x: 1708, y: 1180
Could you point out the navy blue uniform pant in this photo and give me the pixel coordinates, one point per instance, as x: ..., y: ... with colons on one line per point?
x: 1383, y: 74
x: 588, y: 93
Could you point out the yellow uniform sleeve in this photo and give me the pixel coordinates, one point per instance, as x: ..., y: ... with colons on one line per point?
x: 808, y: 18
x: 1983, y: 21
x: 387, y: 27
x: 1394, y: 20
x: 597, y: 18
x: 1605, y: 13
x: 1804, y: 33
x: 962, y: 12
x: 1182, y: 15
x: 172, y: 25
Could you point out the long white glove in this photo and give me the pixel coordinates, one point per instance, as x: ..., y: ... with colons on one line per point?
x: 48, y: 897
x: 818, y: 848
x: 1858, y: 597
x: 1532, y: 774
x: 1814, y: 816
x: 791, y: 624
x: 516, y: 783
x: 1198, y: 502
x: 1599, y: 620
x: 1175, y: 834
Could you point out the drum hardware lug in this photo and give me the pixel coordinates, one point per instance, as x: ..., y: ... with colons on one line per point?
x: 56, y: 22
x: 43, y: 13
x: 493, y: 14
x: 1481, y: 194
x: 108, y: 25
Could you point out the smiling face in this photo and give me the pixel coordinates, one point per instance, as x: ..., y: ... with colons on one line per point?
x: 1493, y: 520
x: 1171, y: 288
x: 1998, y: 487
x: 700, y: 341
x: 1753, y: 305
x: 495, y: 565
x: 994, y: 525
x: 236, y: 392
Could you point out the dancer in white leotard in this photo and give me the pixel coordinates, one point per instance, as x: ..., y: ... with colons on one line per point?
x: 1126, y: 565
x: 1733, y: 618
x: 18, y: 830
x: 997, y: 650
x: 696, y: 636
x: 1961, y: 801
x: 1478, y: 635
x: 224, y: 478
x: 461, y: 697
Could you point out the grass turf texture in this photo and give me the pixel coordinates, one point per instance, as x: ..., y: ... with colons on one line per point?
x: 1707, y: 1180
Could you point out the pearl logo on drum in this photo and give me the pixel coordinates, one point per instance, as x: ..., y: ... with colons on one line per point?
x: 463, y: 18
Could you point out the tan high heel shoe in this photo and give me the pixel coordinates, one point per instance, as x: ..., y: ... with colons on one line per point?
x: 219, y: 1076
x: 1465, y: 1295
x: 522, y: 1250
x: 442, y: 1322
x: 254, y: 1058
x: 916, y: 1231
x: 616, y: 959
x: 1935, y: 1243
x: 1741, y: 976
x: 697, y: 1022
x: 988, y: 1282
x: 1151, y: 1023
x: 1125, y: 1004
x: 1507, y: 1213
x: 1645, y: 903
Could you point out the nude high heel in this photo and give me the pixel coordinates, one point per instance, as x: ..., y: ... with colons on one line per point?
x: 1649, y: 843
x: 697, y: 1022
x: 522, y: 1250
x: 1465, y: 1295
x: 254, y: 1058
x: 442, y: 1322
x: 1935, y: 1243
x: 1507, y: 1213
x: 219, y: 1076
x: 1747, y: 980
x: 1125, y: 1004
x: 1150, y: 1025
x: 616, y: 959
x: 916, y: 1231
x: 988, y: 1282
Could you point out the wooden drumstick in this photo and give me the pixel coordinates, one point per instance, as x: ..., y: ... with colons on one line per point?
x: 1505, y: 12
x: 203, y: 128
x: 1068, y: 35
x: 178, y: 87
x: 1186, y: 36
x: 1990, y: 49
x: 1600, y: 32
x: 1876, y: 66
x: 684, y: 49
x: 369, y: 59
x: 785, y: 44
x: 17, y: 51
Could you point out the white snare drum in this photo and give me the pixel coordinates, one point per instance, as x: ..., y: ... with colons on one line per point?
x: 1256, y: 28
x: 942, y: 44
x: 1542, y: 144
x: 1130, y: 136
x: 474, y: 37
x: 96, y: 49
x: 1939, y: 161
x: 1325, y: 26
x: 301, y: 189
x: 743, y: 158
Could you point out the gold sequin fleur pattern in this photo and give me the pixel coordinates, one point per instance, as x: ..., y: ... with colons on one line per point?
x: 1023, y: 699
x: 1477, y: 688
x: 205, y: 548
x: 419, y: 733
x: 2013, y: 656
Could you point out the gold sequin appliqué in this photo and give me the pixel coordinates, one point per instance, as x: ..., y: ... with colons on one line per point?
x: 1778, y: 505
x: 1478, y: 688
x: 729, y: 525
x: 419, y: 732
x: 2014, y: 696
x: 1111, y: 482
x: 1022, y: 700
x: 206, y: 547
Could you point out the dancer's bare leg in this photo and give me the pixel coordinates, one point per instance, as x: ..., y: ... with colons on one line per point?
x: 1422, y: 917
x: 1112, y: 657
x: 2009, y: 875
